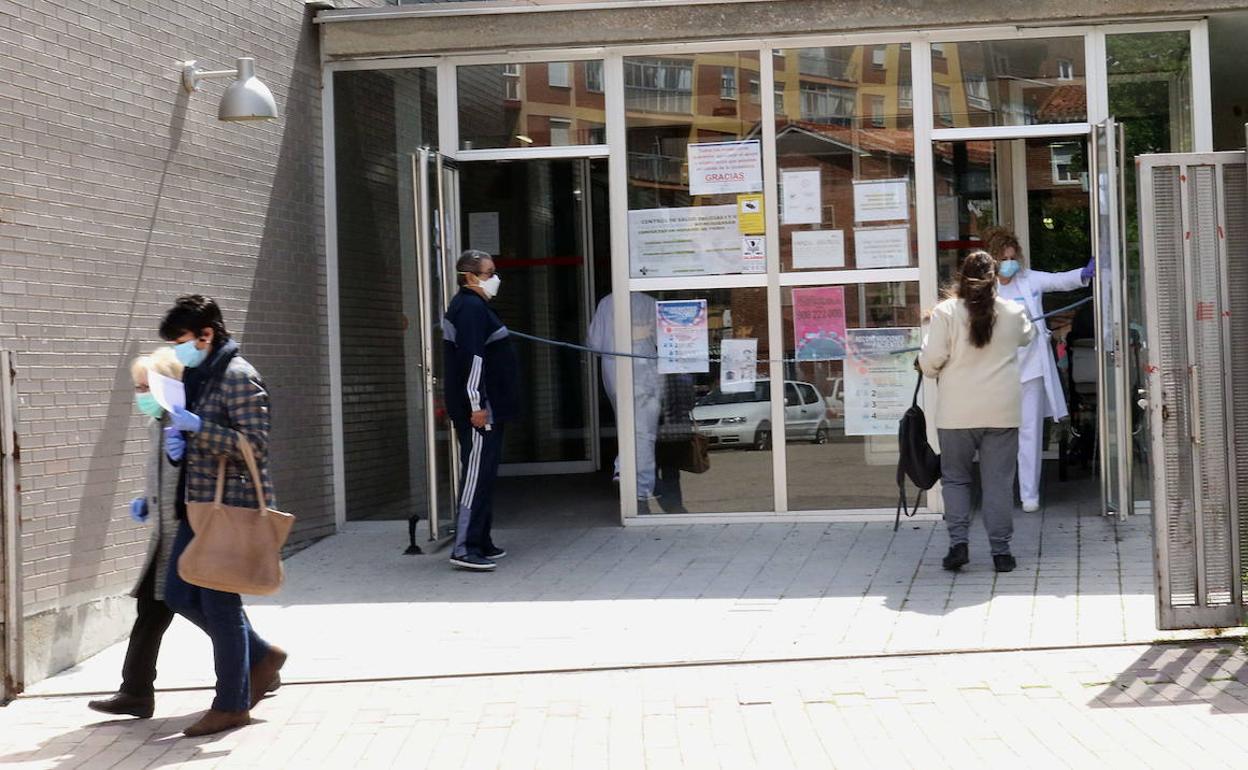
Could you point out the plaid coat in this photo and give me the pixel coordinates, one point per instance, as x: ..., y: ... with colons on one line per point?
x: 236, y: 402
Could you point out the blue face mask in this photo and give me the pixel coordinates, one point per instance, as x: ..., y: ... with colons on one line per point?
x: 188, y: 354
x: 1008, y: 268
x: 148, y: 405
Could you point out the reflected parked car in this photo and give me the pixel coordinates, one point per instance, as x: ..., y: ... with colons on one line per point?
x: 744, y: 419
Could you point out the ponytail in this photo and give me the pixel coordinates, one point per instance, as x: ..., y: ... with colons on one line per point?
x: 977, y: 287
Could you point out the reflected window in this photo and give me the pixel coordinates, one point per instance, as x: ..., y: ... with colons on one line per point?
x: 846, y: 162
x: 541, y: 104
x: 1009, y: 82
x: 694, y: 161
x: 1062, y: 162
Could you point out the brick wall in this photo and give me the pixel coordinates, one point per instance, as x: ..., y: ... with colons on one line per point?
x: 118, y: 191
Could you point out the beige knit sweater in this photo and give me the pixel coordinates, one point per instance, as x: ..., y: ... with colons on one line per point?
x: 977, y: 387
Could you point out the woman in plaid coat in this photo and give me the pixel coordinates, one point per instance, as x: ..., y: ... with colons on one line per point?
x: 225, y: 399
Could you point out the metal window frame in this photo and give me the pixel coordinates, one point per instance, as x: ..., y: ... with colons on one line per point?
x: 615, y: 150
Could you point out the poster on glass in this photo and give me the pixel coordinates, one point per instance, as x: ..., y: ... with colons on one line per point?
x: 819, y: 323
x: 879, y: 379
x: 683, y: 338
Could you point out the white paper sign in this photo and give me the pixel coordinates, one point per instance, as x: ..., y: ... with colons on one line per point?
x: 881, y: 200
x: 739, y: 369
x: 881, y: 247
x: 483, y: 231
x: 699, y: 240
x: 753, y: 254
x: 683, y: 339
x: 725, y: 167
x: 879, y: 381
x: 167, y: 391
x: 802, y: 197
x: 818, y: 248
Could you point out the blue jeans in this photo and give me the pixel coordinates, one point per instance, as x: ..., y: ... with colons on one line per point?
x: 235, y: 646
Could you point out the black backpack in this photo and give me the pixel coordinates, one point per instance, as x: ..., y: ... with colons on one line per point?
x: 915, y: 459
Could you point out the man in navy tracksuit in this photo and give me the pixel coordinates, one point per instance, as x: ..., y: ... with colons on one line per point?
x: 482, y: 395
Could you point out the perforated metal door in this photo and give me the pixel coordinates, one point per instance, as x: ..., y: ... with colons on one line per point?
x: 1194, y: 235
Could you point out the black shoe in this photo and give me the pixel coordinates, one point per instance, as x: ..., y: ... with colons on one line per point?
x: 475, y: 563
x: 493, y: 552
x: 956, y: 558
x: 1004, y: 562
x: 122, y: 704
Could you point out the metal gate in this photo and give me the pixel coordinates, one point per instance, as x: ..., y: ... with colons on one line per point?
x: 1194, y: 247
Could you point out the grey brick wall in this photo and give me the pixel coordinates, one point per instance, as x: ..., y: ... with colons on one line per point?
x: 117, y: 193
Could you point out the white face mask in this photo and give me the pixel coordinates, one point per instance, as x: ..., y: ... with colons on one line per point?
x: 490, y: 286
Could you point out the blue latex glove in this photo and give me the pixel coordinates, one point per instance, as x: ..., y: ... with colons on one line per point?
x: 1090, y: 270
x: 138, y: 509
x: 175, y: 443
x: 187, y: 421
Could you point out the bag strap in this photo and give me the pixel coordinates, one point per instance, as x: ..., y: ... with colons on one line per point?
x: 917, y: 386
x: 249, y: 457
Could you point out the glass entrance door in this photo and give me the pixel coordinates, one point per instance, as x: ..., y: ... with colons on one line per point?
x: 1110, y: 290
x: 535, y: 217
x: 435, y: 197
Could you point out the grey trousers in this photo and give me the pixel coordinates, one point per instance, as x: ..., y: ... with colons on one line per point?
x: 998, y: 464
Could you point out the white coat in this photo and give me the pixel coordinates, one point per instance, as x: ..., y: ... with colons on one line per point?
x: 1036, y: 360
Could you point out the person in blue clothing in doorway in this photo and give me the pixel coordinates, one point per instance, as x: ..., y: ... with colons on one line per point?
x: 482, y: 396
x: 1042, y: 389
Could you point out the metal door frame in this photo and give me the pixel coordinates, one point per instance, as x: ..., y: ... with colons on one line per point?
x: 1200, y: 614
x: 1114, y: 141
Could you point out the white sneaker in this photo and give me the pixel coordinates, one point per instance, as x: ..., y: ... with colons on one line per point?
x: 1030, y: 507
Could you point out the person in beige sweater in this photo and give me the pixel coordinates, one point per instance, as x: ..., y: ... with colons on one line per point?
x: 972, y: 350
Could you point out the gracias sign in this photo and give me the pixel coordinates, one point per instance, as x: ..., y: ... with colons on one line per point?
x: 725, y: 167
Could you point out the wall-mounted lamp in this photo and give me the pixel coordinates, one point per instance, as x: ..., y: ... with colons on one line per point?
x: 246, y: 98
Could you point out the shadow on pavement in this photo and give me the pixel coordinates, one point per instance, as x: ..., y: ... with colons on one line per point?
x: 1214, y: 675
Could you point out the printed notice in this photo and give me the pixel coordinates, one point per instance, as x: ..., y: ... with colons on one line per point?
x: 683, y: 341
x: 881, y: 247
x: 881, y: 200
x: 818, y: 248
x: 819, y: 323
x: 699, y: 240
x: 483, y: 231
x: 754, y: 254
x: 739, y: 367
x: 168, y: 392
x: 803, y: 197
x: 750, y: 218
x: 879, y: 381
x: 725, y: 167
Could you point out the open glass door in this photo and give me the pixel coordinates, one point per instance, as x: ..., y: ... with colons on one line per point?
x: 435, y: 202
x: 1109, y: 289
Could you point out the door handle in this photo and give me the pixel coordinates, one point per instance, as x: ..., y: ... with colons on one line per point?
x: 1193, y: 378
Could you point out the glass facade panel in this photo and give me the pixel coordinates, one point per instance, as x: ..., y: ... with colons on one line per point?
x: 846, y: 159
x: 683, y: 189
x: 829, y: 466
x: 733, y: 414
x: 540, y: 104
x: 1009, y: 82
x: 1150, y: 94
x: 380, y: 118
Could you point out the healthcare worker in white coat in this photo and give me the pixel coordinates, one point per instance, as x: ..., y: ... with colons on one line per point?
x: 1042, y: 389
x: 645, y: 378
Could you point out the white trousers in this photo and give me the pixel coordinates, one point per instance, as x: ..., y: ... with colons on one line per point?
x: 646, y: 427
x: 1030, y: 433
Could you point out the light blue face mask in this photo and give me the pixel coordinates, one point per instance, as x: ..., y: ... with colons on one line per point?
x: 148, y: 405
x: 1008, y: 268
x: 188, y: 354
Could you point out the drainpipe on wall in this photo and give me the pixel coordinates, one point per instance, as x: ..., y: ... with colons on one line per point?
x: 11, y: 675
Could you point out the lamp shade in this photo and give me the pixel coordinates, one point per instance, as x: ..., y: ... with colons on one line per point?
x: 247, y: 98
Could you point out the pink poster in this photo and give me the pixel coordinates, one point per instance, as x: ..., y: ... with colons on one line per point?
x: 819, y: 323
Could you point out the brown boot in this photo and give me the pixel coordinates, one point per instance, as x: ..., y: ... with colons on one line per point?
x: 214, y: 721
x: 264, y: 675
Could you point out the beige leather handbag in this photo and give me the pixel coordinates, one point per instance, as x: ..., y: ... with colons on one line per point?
x: 237, y: 550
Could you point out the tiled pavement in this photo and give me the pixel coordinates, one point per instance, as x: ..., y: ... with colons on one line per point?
x: 653, y: 601
x: 1140, y: 707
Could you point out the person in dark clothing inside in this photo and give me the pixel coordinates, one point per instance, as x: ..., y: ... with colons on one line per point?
x: 226, y: 400
x: 482, y: 376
